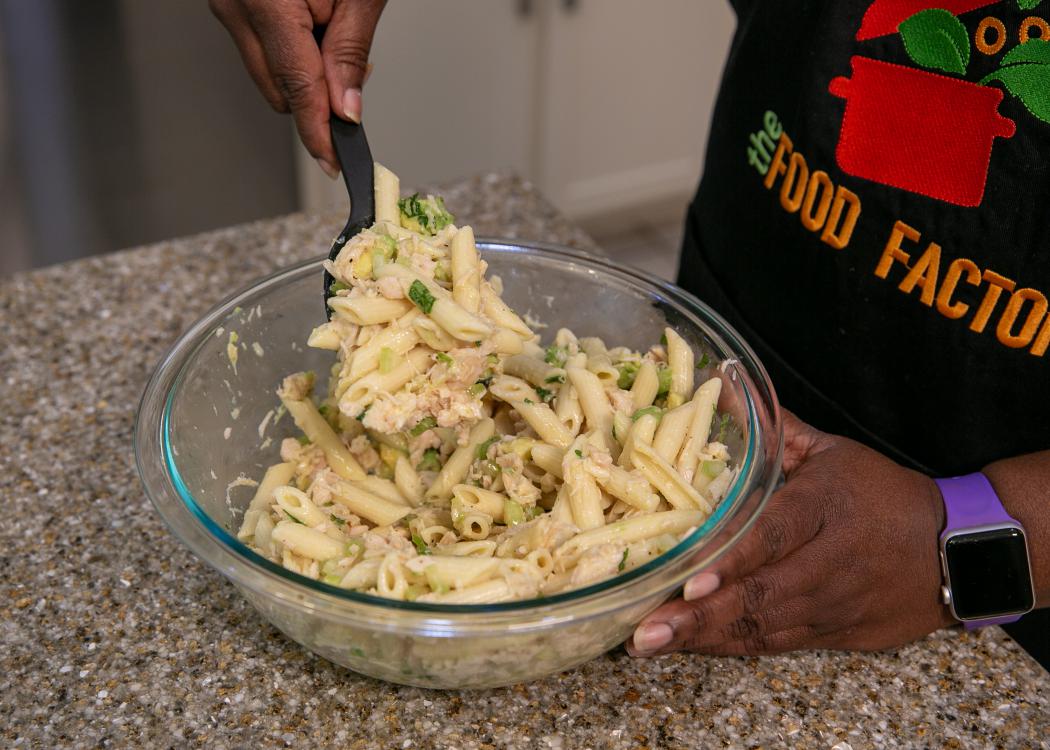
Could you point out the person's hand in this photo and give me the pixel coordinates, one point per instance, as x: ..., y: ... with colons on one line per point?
x: 844, y: 556
x: 276, y: 40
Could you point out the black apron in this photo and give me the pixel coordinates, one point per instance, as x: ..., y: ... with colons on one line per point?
x: 874, y: 219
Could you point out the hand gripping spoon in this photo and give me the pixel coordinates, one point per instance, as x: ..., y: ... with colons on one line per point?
x: 355, y: 160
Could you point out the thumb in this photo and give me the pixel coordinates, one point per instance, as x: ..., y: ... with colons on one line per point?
x: 801, y: 441
x: 345, y: 48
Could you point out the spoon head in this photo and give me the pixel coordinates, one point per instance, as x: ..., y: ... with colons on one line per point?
x: 358, y: 168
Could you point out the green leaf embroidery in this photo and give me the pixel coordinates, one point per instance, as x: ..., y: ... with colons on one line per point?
x: 936, y: 39
x: 1028, y: 4
x: 1026, y: 75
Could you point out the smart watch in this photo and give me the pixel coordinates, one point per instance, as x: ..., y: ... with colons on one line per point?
x: 984, y: 555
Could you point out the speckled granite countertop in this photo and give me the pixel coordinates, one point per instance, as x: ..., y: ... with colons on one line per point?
x: 103, y: 644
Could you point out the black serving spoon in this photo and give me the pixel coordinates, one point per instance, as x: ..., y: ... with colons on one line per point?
x: 355, y: 161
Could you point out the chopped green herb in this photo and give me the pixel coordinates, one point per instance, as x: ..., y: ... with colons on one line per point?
x: 628, y: 372
x: 556, y: 355
x: 421, y: 546
x: 431, y: 460
x: 623, y: 560
x: 532, y: 511
x: 558, y: 377
x: 663, y: 338
x: 444, y: 358
x: 421, y: 296
x: 426, y: 423
x: 545, y: 394
x: 357, y: 652
x: 529, y: 401
x: 294, y: 518
x: 337, y: 520
x: 486, y: 377
x: 477, y: 390
x: 705, y: 360
x: 337, y: 286
x: 578, y: 452
x: 386, y: 360
x: 303, y: 440
x: 424, y: 215
x: 361, y: 416
x: 663, y: 372
x: 656, y: 411
x: 483, y: 449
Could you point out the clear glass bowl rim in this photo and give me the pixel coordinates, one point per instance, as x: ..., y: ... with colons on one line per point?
x: 220, y: 549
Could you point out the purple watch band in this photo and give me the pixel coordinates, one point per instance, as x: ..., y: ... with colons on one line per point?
x: 971, y: 501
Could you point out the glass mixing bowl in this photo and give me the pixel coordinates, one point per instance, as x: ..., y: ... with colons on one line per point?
x: 204, y: 423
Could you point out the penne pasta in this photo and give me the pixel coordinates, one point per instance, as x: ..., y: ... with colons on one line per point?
x: 466, y: 272
x: 452, y: 458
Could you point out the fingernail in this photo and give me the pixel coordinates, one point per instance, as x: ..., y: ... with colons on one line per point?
x: 352, y: 105
x: 368, y: 73
x: 701, y: 585
x: 328, y: 169
x: 652, y: 636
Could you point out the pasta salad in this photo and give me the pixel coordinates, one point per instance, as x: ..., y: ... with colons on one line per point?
x: 453, y: 458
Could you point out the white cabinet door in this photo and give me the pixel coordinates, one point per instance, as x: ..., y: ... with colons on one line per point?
x: 627, y: 89
x: 452, y: 93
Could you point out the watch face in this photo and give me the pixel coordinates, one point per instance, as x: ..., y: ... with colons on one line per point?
x: 989, y: 573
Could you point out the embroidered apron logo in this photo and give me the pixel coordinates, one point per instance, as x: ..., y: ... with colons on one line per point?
x: 926, y: 132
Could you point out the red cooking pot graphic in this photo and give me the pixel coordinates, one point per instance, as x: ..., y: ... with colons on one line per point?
x: 919, y: 131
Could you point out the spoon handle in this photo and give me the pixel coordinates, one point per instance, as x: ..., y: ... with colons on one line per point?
x: 355, y: 161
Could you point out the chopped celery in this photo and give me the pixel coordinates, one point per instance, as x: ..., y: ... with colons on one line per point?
x: 337, y: 286
x: 444, y: 358
x: 414, y: 591
x: 387, y: 360
x: 579, y: 453
x: 431, y: 460
x: 712, y: 468
x: 628, y: 372
x: 421, y: 546
x: 513, y: 513
x: 477, y: 390
x: 483, y: 449
x: 426, y: 423
x: 332, y: 579
x: 663, y: 372
x: 656, y: 411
